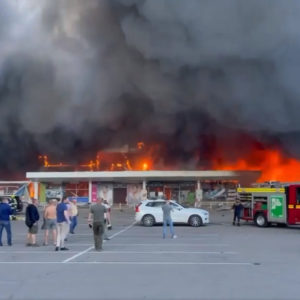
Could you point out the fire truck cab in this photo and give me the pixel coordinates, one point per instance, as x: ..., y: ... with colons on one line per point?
x: 266, y: 205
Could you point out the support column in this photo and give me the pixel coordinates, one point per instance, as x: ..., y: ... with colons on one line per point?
x: 36, y: 190
x: 144, y: 190
x: 199, y: 194
x: 90, y: 190
x: 198, y: 185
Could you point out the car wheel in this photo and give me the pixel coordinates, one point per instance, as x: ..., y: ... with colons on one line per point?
x: 148, y: 220
x: 195, y: 221
x: 260, y: 220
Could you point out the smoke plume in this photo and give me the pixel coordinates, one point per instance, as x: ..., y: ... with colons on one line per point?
x: 197, y: 76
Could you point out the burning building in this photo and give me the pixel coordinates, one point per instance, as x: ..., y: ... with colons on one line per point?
x: 129, y: 175
x: 204, y: 86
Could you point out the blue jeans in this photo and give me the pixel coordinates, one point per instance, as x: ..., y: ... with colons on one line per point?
x: 168, y: 221
x: 6, y: 225
x: 73, y: 224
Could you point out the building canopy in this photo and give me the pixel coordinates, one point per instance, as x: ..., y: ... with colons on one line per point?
x: 243, y: 177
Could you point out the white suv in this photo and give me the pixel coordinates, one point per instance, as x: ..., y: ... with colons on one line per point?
x: 149, y: 212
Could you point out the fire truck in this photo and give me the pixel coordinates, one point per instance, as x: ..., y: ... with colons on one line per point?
x: 271, y: 205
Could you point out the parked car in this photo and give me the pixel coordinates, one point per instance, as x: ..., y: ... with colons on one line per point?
x: 149, y: 212
x: 15, y: 203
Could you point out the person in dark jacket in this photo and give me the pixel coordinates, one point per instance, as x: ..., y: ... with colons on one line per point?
x: 5, y: 213
x: 237, y: 209
x: 31, y: 220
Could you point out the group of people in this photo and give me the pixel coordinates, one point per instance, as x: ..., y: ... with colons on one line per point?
x: 59, y: 219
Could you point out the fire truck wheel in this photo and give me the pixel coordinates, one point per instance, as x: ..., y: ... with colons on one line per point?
x: 261, y: 220
x: 148, y: 220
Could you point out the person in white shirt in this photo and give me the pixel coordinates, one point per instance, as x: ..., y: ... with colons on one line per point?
x: 73, y: 214
x: 107, y: 220
x: 108, y: 216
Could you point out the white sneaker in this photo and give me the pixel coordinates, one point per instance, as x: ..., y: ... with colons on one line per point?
x: 174, y: 236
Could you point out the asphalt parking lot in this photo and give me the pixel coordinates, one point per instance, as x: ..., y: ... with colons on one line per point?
x: 218, y: 261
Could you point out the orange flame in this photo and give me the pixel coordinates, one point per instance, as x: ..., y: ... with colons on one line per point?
x: 110, y: 160
x: 140, y: 145
x: 49, y: 165
x: 273, y: 165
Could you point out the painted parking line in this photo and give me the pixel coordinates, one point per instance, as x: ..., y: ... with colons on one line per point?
x: 37, y: 252
x: 90, y: 248
x: 128, y: 263
x: 121, y: 231
x: 69, y: 235
x: 144, y: 233
x: 179, y: 240
x: 182, y: 235
x: 166, y: 252
x: 121, y: 252
x: 168, y: 244
x: 162, y: 263
x: 78, y: 244
x: 142, y: 244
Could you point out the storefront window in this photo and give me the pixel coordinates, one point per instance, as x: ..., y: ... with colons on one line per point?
x: 53, y: 191
x: 80, y: 191
x: 183, y: 193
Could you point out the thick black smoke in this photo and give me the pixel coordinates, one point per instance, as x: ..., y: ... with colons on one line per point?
x: 79, y: 76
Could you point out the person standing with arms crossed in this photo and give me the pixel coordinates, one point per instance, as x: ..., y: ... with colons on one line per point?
x: 96, y: 215
x: 167, y: 219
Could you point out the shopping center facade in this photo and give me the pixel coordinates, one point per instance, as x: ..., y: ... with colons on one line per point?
x: 130, y: 187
